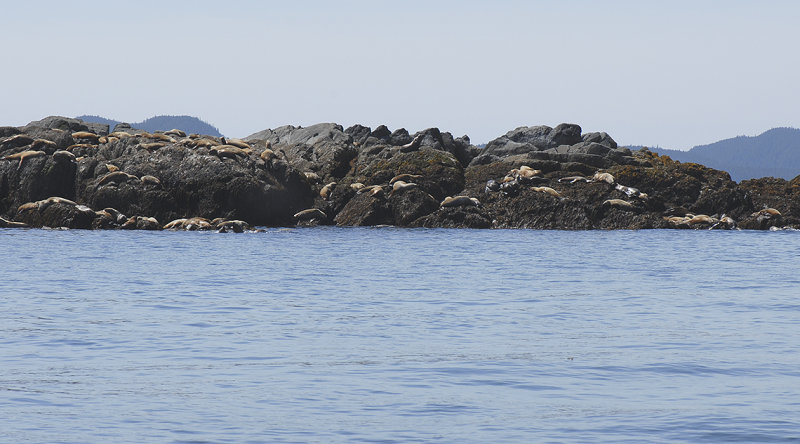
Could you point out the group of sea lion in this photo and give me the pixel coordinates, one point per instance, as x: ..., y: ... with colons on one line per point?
x: 397, y: 184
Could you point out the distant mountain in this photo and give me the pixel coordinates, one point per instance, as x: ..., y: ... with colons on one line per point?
x: 188, y: 124
x: 773, y: 153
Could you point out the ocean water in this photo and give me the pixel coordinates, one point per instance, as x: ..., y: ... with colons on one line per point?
x: 398, y: 335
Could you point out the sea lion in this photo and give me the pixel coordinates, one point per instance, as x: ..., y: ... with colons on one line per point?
x: 43, y: 204
x: 725, y: 223
x: 413, y: 145
x: 115, y: 176
x: 115, y: 215
x: 17, y: 140
x: 4, y: 223
x: 162, y: 137
x: 768, y: 212
x: 28, y: 206
x: 196, y: 223
x: 230, y: 151
x: 401, y: 185
x: 150, y: 180
x: 527, y: 172
x: 677, y: 220
x: 547, y: 190
x: 312, y: 176
x: 152, y: 146
x: 64, y: 156
x: 356, y: 186
x: 603, y: 177
x: 175, y: 224
x: 239, y: 143
x: 111, y: 167
x: 24, y: 155
x: 702, y: 219
x: 202, y: 143
x: 175, y: 132
x: 309, y: 214
x: 629, y: 191
x: 41, y: 143
x: 459, y: 201
x: 573, y: 179
x: 491, y: 186
x: 619, y: 203
x: 235, y: 226
x: 404, y: 177
x: 326, y: 191
x: 120, y: 134
x: 373, y: 190
x: 267, y: 155
x: 85, y: 135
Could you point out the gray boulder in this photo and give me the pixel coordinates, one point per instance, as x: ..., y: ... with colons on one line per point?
x: 325, y: 148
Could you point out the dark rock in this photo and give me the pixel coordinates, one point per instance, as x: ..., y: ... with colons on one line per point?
x: 8, y: 131
x: 456, y: 217
x: 381, y: 133
x: 565, y: 134
x: 409, y: 205
x: 35, y: 179
x: 400, y: 137
x: 359, y: 133
x: 364, y: 210
x: 55, y: 213
x: 442, y: 174
x: 324, y: 149
x: 601, y: 138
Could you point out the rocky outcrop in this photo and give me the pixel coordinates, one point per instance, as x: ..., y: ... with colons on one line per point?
x: 61, y: 172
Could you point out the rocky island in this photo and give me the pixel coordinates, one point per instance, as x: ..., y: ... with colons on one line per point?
x: 63, y: 172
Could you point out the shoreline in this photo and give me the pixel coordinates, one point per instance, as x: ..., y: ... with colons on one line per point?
x: 61, y: 172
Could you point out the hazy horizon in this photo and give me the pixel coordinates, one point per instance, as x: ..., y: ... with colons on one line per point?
x: 673, y: 75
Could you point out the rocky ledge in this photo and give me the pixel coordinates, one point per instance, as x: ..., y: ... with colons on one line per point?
x: 62, y: 172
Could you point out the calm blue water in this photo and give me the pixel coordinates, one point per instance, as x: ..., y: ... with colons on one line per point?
x: 393, y: 335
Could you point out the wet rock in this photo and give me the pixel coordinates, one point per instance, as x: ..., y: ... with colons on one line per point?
x: 456, y: 217
x: 411, y: 204
x: 365, y: 209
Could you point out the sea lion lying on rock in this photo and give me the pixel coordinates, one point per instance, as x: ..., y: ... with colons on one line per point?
x: 459, y: 201
x: 28, y: 154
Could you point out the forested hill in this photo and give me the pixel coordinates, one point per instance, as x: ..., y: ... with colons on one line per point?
x: 188, y: 124
x: 775, y: 153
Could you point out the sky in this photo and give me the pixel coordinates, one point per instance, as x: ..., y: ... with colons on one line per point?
x: 670, y: 74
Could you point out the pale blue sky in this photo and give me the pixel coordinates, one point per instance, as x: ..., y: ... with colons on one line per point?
x: 674, y: 74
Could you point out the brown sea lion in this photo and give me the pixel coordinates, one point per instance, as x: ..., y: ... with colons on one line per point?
x: 309, y: 214
x: 239, y: 143
x: 64, y: 156
x: 24, y: 155
x: 603, y: 177
x: 459, y: 201
x: 619, y: 203
x: 150, y: 180
x: 85, y: 135
x: 405, y: 178
x: 115, y: 176
x: 547, y: 190
x: 326, y: 191
x: 175, y: 132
